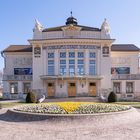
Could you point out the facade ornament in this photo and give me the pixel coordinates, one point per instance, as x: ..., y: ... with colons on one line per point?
x: 38, y: 26
x: 105, y: 27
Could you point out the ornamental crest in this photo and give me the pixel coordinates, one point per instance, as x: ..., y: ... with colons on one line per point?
x: 71, y: 31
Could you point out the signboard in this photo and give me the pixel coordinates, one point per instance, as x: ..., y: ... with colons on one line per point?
x: 120, y: 70
x: 22, y: 71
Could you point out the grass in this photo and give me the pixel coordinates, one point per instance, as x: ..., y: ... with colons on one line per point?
x: 133, y: 104
x: 10, y: 104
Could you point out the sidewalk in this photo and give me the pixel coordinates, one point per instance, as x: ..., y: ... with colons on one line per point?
x: 73, y: 99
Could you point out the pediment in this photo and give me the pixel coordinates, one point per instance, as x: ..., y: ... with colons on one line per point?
x: 71, y: 31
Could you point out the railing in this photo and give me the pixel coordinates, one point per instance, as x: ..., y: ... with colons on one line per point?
x: 71, y: 76
x: 17, y: 77
x: 125, y: 77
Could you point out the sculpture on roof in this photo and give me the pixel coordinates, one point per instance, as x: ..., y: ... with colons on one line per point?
x: 105, y: 27
x: 38, y: 25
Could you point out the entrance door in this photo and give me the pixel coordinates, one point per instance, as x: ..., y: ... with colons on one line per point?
x: 92, y: 89
x: 71, y: 89
x: 51, y: 90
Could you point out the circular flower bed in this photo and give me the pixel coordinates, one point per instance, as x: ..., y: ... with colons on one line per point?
x: 72, y: 108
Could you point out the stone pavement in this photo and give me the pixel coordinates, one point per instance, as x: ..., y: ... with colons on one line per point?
x: 107, y: 127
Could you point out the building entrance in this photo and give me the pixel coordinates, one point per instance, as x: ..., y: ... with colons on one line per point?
x: 51, y: 89
x: 71, y: 89
x: 92, y: 89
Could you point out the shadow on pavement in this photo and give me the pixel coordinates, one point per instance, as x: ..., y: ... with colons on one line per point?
x: 13, y: 117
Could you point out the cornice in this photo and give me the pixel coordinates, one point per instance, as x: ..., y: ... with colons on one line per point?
x: 18, y: 53
x: 68, y: 41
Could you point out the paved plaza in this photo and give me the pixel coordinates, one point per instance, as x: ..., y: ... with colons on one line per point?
x: 125, y: 126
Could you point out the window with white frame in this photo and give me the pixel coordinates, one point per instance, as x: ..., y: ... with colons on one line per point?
x: 50, y: 63
x: 129, y: 87
x: 63, y: 70
x: 92, y: 55
x: 26, y: 87
x: 92, y: 67
x: 71, y: 70
x: 80, y: 54
x: 80, y: 70
x: 71, y: 54
x: 14, y: 88
x: 62, y: 54
x: 117, y: 87
x: 51, y: 55
x: 51, y: 70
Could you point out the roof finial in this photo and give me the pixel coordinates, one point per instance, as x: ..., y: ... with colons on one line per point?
x: 71, y: 13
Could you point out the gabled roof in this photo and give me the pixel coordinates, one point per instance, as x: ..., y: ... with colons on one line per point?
x: 125, y: 47
x: 18, y: 48
x: 59, y: 28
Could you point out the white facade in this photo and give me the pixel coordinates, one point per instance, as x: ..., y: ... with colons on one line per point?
x: 71, y: 60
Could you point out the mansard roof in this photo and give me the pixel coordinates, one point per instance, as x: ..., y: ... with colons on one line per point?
x: 125, y: 47
x: 18, y: 48
x: 59, y: 28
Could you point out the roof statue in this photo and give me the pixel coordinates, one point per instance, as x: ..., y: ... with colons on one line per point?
x: 105, y: 27
x: 38, y: 25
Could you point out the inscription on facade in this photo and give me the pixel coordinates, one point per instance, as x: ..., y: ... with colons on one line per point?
x: 72, y: 47
x: 22, y: 61
x: 121, y: 60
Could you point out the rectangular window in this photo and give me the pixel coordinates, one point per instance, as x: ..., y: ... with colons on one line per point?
x: 92, y: 62
x: 80, y: 54
x: 72, y: 54
x: 50, y: 70
x: 62, y: 54
x: 14, y: 88
x: 92, y: 70
x: 80, y: 69
x: 62, y: 61
x: 50, y: 55
x: 129, y: 87
x: 50, y: 62
x: 63, y: 70
x: 71, y: 61
x: 117, y: 87
x: 26, y: 87
x: 80, y: 61
x: 92, y: 55
x: 72, y: 70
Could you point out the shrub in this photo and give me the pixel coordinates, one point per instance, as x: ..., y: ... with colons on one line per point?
x: 30, y: 98
x: 112, y: 97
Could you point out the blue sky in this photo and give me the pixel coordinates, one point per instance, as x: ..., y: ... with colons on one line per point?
x: 17, y: 18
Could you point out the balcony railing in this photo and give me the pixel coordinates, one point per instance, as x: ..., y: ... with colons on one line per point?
x: 97, y: 77
x: 17, y: 77
x: 125, y: 77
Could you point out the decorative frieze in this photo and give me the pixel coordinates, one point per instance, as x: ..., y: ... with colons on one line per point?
x: 72, y: 47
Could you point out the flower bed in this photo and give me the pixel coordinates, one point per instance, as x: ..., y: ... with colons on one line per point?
x: 72, y: 108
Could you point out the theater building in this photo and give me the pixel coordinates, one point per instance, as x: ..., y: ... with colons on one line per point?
x: 71, y: 60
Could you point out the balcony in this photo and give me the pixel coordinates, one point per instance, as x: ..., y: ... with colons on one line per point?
x: 49, y: 77
x: 125, y: 77
x: 17, y: 77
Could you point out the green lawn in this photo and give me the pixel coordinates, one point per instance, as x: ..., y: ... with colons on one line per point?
x: 10, y: 104
x: 133, y: 104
